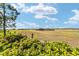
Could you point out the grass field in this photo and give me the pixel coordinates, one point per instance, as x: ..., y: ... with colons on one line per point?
x: 40, y: 43
x: 69, y: 36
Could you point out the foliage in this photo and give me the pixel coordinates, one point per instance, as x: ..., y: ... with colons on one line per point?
x: 13, y: 38
x: 8, y: 15
x: 24, y: 46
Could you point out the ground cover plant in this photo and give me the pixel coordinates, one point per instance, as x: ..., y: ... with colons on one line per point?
x: 20, y: 45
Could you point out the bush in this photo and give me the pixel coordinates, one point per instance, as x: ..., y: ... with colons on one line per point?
x: 13, y: 38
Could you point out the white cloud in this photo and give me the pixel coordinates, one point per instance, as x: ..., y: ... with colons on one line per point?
x: 76, y: 16
x: 41, y: 9
x: 39, y: 16
x: 74, y: 19
x: 75, y: 11
x: 52, y: 19
x: 71, y: 22
x: 26, y: 25
x: 36, y: 9
x: 49, y: 19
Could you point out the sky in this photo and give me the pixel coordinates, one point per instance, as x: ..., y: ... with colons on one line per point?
x: 47, y: 15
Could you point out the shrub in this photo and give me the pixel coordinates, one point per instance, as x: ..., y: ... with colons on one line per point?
x: 13, y: 38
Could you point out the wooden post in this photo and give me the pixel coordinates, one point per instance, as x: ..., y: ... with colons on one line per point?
x: 32, y: 36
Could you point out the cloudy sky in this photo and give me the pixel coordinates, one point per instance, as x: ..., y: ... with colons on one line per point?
x: 48, y: 15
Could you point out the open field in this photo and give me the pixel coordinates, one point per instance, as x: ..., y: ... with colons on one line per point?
x: 69, y: 36
x: 40, y: 43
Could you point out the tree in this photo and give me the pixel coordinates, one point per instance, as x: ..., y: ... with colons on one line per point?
x: 8, y: 15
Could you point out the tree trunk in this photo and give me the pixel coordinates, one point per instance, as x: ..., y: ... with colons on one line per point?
x: 4, y: 20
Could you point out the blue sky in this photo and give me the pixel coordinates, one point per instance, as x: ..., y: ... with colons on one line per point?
x: 47, y: 15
